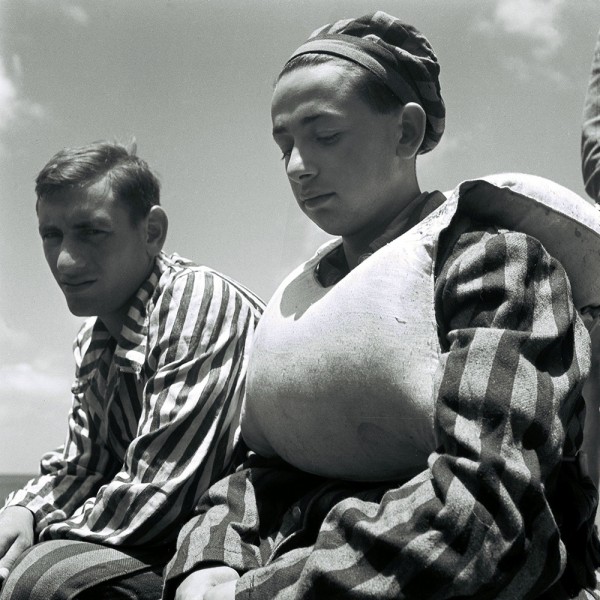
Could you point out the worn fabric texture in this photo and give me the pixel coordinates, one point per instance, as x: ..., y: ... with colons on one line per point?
x: 502, y: 509
x: 73, y: 570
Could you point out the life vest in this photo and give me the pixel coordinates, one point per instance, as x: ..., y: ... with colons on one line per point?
x: 341, y: 379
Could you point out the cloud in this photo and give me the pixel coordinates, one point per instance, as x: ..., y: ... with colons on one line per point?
x: 72, y: 11
x: 75, y: 12
x: 521, y: 69
x: 8, y: 96
x: 12, y: 104
x: 25, y: 380
x: 34, y: 397
x: 18, y: 346
x: 33, y: 414
x: 536, y: 23
x: 535, y: 20
x: 11, y: 337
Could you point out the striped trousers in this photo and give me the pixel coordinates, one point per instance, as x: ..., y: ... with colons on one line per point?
x: 75, y: 570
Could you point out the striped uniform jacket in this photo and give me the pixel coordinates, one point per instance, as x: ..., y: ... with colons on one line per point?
x: 590, y: 130
x: 155, y: 415
x: 498, y: 513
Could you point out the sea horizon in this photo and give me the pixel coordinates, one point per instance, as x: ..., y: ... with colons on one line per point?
x: 12, y: 481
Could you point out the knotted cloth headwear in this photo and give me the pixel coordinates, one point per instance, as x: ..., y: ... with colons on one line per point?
x: 395, y: 52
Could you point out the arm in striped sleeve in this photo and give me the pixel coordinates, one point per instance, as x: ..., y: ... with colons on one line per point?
x: 477, y: 523
x: 590, y: 134
x: 200, y: 331
x: 74, y: 472
x: 238, y: 522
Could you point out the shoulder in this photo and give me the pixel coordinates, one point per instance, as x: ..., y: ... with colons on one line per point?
x: 492, y: 277
x: 566, y: 225
x: 470, y: 249
x: 183, y: 282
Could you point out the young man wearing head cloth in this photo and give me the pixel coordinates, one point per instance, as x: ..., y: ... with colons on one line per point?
x: 414, y: 405
x: 160, y: 376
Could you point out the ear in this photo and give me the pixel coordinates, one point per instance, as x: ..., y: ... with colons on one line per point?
x: 157, y: 225
x: 412, y: 123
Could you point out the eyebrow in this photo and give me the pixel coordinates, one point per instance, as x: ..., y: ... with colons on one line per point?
x: 84, y: 224
x: 279, y: 129
x: 97, y: 222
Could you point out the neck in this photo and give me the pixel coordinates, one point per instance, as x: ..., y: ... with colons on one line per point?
x: 368, y: 241
x: 114, y: 322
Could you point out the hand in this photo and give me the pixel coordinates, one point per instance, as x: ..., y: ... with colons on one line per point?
x: 212, y: 583
x: 16, y: 535
x: 223, y: 591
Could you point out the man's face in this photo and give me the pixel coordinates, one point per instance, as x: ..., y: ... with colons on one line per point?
x: 339, y: 154
x: 98, y: 258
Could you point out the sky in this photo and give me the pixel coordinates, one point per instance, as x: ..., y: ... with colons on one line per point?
x: 191, y: 81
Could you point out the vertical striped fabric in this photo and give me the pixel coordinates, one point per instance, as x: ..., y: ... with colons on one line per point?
x: 155, y: 417
x: 481, y: 521
x: 590, y: 131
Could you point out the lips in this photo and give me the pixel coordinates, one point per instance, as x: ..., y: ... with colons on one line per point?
x: 311, y: 199
x: 74, y: 287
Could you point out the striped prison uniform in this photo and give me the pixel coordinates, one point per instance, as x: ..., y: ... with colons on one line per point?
x: 590, y: 130
x: 497, y: 514
x: 155, y: 415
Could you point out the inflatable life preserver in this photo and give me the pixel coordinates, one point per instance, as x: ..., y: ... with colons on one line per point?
x: 310, y: 399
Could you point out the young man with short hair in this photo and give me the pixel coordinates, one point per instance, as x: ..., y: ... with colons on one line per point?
x: 161, y: 366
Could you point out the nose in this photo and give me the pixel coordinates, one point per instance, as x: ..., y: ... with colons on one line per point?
x: 69, y: 260
x: 299, y: 167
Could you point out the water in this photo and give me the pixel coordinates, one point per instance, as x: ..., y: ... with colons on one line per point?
x: 8, y: 483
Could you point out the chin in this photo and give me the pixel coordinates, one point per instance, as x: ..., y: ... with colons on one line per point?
x: 327, y: 227
x: 335, y: 230
x: 81, y: 311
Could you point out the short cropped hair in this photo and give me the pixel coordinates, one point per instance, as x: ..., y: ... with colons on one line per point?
x: 129, y: 177
x: 368, y: 87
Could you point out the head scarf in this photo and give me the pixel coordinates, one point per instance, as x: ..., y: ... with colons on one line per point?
x: 395, y: 52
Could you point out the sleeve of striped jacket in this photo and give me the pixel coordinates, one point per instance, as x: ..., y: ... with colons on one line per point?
x: 76, y: 470
x: 590, y: 133
x: 477, y: 523
x: 200, y: 333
